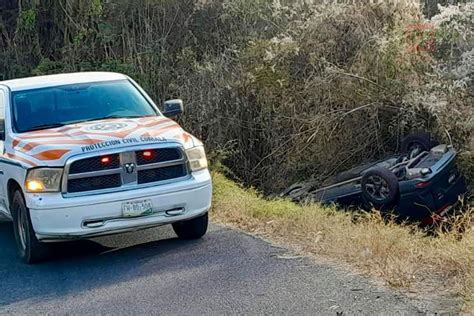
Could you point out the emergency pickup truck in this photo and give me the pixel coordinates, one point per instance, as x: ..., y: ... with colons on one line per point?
x: 90, y: 154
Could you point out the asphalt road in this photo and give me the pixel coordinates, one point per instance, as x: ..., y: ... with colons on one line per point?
x: 151, y: 272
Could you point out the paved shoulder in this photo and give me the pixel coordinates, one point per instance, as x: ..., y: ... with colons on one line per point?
x: 152, y: 272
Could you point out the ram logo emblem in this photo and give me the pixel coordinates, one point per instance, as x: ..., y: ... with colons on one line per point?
x: 129, y: 168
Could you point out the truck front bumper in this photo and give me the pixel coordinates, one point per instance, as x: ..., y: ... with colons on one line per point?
x: 57, y: 218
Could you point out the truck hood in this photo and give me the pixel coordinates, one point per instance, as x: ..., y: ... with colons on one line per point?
x: 52, y: 147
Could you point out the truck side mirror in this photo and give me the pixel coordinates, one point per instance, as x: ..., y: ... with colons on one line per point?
x: 173, y: 108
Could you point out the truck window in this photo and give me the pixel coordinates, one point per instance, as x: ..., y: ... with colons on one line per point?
x: 2, y: 115
x: 2, y: 105
x: 61, y: 105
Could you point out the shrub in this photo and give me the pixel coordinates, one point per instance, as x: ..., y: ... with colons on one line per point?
x: 294, y: 89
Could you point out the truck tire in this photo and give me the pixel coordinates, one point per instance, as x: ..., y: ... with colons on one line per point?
x: 30, y: 249
x: 418, y: 142
x: 192, y: 229
x: 380, y: 188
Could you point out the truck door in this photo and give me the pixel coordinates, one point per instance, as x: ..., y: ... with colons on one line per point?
x: 3, y: 189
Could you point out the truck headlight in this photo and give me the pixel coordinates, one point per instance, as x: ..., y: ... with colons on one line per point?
x: 197, y: 158
x: 44, y: 180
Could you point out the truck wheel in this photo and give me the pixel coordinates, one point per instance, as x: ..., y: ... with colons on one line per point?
x: 30, y: 249
x: 416, y: 143
x: 380, y: 188
x: 192, y: 229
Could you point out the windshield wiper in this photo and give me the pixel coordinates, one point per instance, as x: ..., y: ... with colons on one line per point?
x: 45, y: 126
x: 108, y: 117
x: 53, y: 125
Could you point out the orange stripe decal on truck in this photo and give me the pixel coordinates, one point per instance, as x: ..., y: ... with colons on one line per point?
x: 51, y: 154
x: 15, y: 142
x: 26, y: 161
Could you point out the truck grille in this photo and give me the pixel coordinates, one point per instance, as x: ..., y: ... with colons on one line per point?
x: 161, y: 174
x: 94, y: 183
x: 124, y: 170
x: 94, y: 164
x: 157, y: 155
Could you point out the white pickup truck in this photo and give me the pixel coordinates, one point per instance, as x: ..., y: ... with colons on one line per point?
x: 90, y: 154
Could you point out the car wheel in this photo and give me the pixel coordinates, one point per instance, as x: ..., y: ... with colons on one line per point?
x: 192, y: 229
x: 30, y: 249
x: 380, y: 188
x: 414, y: 144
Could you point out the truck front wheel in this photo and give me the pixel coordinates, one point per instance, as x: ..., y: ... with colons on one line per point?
x: 30, y: 249
x: 192, y: 229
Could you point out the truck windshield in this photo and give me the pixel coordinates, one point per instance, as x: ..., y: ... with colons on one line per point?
x: 61, y: 105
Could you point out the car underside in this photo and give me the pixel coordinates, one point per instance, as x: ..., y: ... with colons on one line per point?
x: 417, y: 184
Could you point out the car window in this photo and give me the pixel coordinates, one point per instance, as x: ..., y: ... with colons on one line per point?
x: 34, y: 109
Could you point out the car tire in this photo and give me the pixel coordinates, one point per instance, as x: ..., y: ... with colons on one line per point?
x: 379, y: 188
x: 192, y: 229
x: 420, y: 142
x: 29, y: 248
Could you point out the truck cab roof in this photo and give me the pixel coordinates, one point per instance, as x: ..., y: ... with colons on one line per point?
x: 61, y: 79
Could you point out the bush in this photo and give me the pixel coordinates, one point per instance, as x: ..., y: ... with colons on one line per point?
x: 292, y: 89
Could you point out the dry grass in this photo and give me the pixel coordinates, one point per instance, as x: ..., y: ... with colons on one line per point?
x: 402, y: 256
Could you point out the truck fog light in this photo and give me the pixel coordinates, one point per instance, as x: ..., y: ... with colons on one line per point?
x: 44, y: 180
x: 197, y: 158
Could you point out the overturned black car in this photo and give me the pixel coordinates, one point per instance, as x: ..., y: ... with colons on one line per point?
x: 420, y: 183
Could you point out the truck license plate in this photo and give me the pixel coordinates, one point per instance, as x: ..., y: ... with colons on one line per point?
x: 137, y: 208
